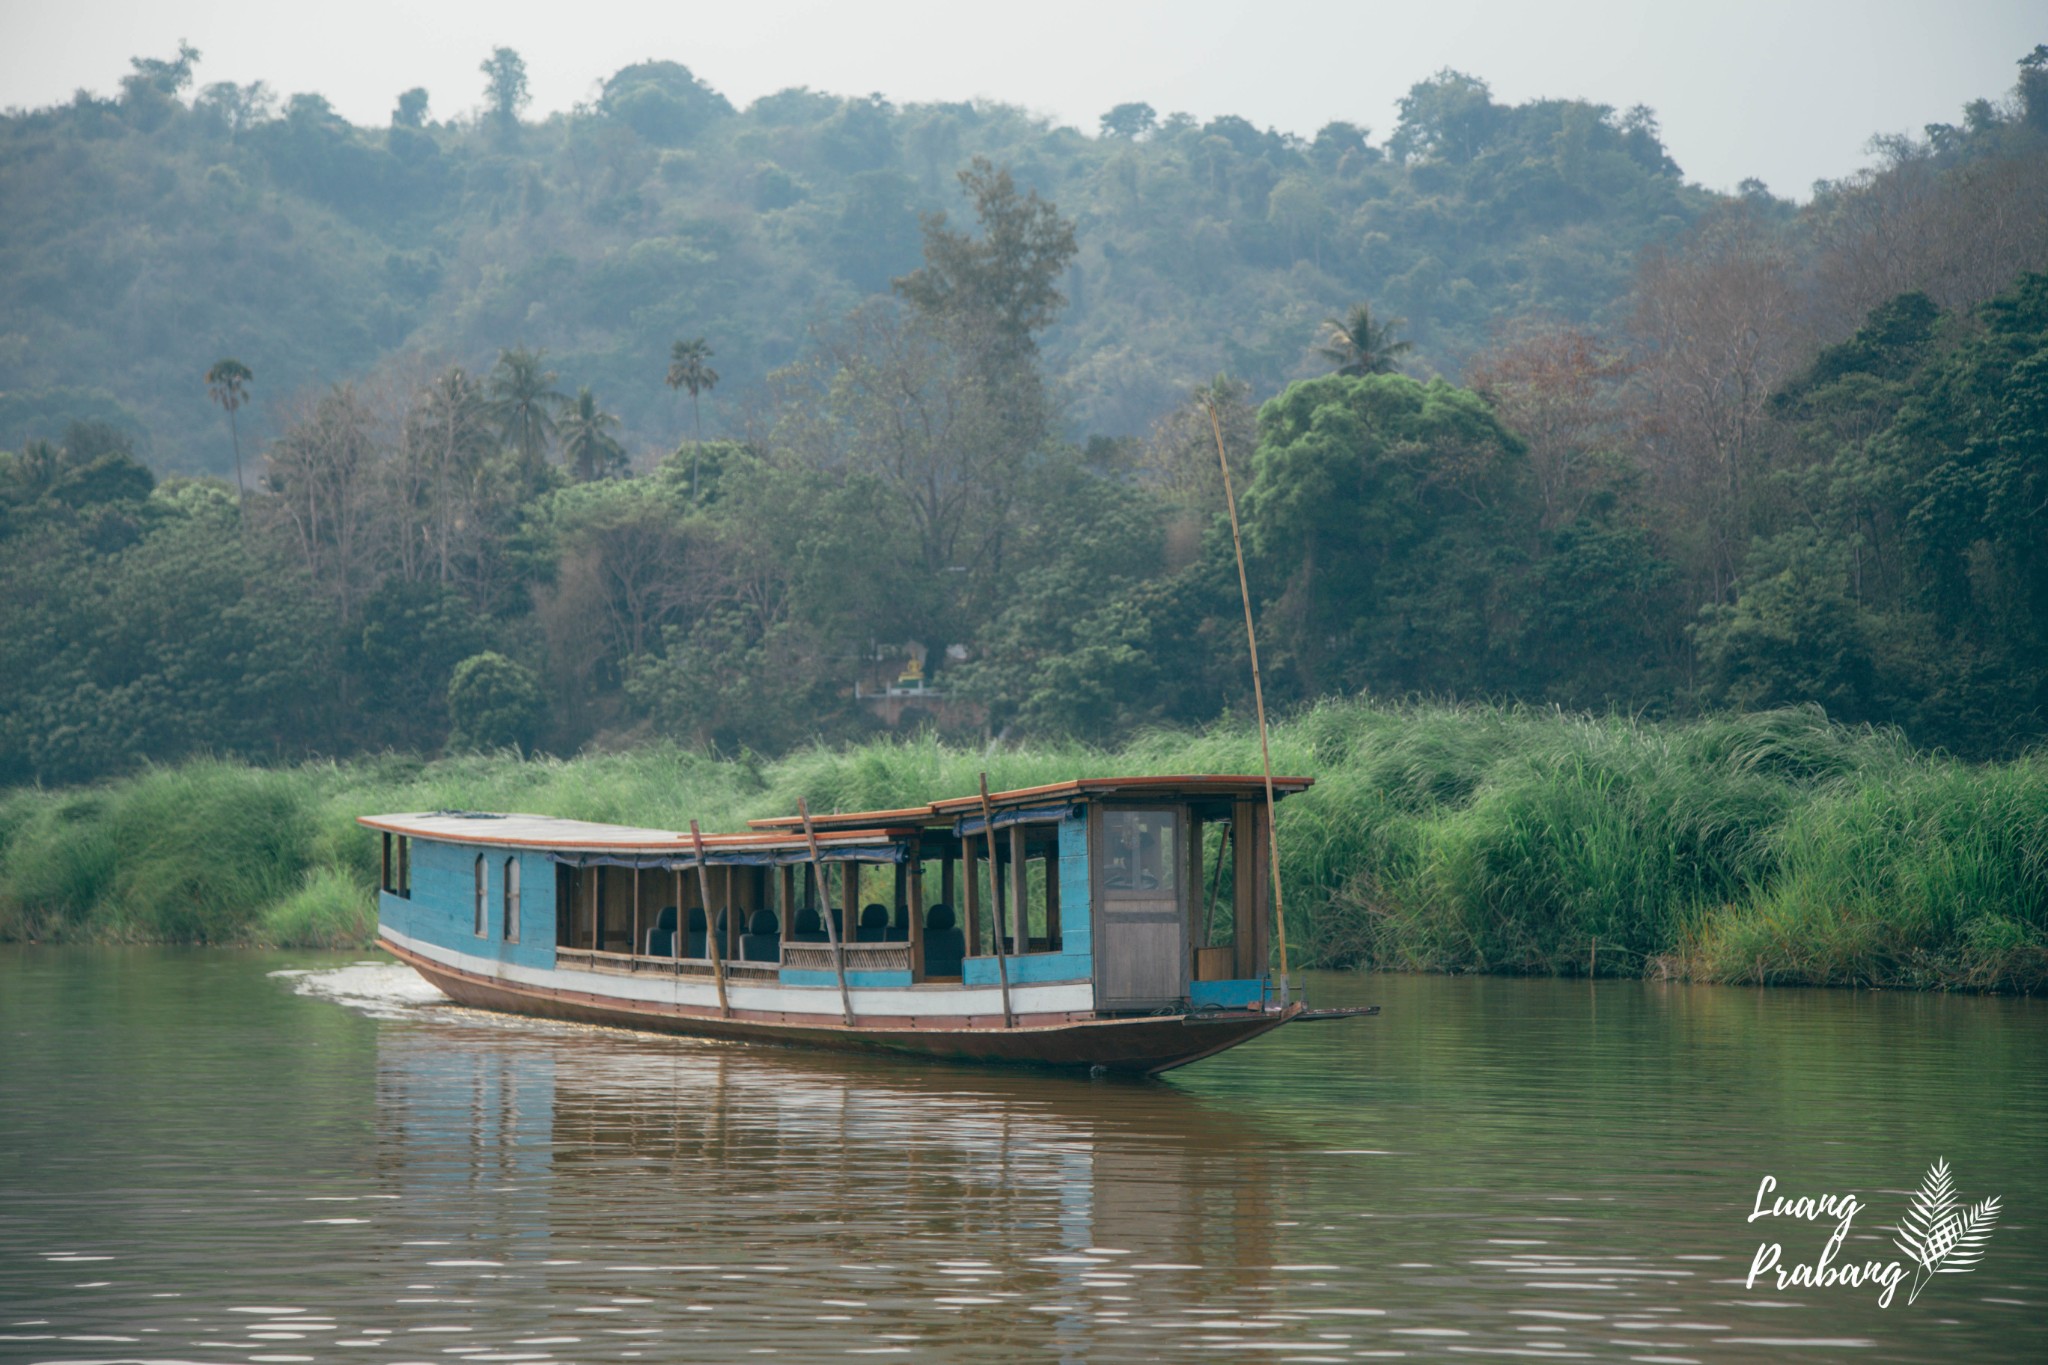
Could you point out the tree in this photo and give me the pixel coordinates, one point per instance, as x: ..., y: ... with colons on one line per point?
x: 1002, y: 283
x: 1179, y: 455
x: 1387, y: 507
x: 523, y: 404
x: 587, y: 441
x: 1130, y: 121
x: 411, y: 110
x: 1559, y: 391
x: 1449, y: 117
x: 505, y: 88
x: 689, y: 368
x: 494, y: 703
x: 228, y: 383
x: 1358, y: 345
x: 321, y: 476
x: 1716, y: 331
x: 442, y: 477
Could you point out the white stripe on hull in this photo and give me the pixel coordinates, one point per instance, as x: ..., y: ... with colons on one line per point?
x: 933, y: 1003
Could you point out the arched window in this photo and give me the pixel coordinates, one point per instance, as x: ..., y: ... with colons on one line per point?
x: 511, y: 900
x: 483, y: 897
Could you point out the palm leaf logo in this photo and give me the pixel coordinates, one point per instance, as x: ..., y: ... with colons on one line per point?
x: 1942, y: 1237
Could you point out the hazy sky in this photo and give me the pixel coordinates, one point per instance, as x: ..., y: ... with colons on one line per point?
x: 1785, y: 91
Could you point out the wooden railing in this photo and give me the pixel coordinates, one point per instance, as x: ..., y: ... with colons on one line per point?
x: 860, y: 957
x: 642, y: 964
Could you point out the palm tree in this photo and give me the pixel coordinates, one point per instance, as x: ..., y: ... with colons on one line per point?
x: 1360, y: 346
x: 688, y: 369
x: 524, y: 402
x: 587, y: 441
x: 228, y: 383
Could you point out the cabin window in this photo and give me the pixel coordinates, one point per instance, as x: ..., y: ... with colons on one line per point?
x: 397, y: 865
x: 511, y: 900
x: 1138, y: 853
x: 483, y: 896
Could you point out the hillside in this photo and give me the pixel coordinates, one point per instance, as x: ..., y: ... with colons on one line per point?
x: 152, y: 233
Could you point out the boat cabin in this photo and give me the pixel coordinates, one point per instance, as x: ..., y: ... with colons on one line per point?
x: 1153, y: 892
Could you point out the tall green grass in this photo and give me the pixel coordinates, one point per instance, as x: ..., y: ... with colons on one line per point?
x: 1773, y: 847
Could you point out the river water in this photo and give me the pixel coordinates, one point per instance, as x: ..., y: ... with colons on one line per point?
x: 225, y: 1157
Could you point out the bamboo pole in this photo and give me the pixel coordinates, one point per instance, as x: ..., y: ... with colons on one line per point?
x: 704, y: 894
x: 995, y: 891
x: 1258, y: 700
x: 824, y: 900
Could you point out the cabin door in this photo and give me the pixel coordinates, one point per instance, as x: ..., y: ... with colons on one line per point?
x: 1141, y: 944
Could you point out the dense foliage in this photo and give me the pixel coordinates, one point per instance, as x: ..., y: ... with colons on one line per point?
x: 1775, y: 847
x: 1719, y: 453
x: 148, y: 235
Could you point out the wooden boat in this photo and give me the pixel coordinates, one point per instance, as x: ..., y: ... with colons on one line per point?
x: 1075, y: 925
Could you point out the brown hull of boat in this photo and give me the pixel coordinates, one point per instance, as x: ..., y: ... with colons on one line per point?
x: 1143, y: 1046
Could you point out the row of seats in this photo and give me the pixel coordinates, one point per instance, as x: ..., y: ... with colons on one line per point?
x: 944, y: 944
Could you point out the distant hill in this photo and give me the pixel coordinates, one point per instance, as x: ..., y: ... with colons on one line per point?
x: 150, y: 234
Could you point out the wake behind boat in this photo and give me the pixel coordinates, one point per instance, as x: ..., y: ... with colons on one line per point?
x: 1069, y: 925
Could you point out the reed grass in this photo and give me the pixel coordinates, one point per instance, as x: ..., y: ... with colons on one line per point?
x: 1771, y: 848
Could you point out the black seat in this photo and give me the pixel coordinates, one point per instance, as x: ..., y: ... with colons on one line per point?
x: 944, y: 945
x: 693, y: 937
x: 763, y: 941
x: 874, y: 923
x: 661, y: 939
x: 808, y: 927
x: 721, y: 938
x: 899, y: 927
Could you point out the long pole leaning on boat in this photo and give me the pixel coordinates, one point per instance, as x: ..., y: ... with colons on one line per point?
x: 1258, y: 699
x: 711, y: 930
x: 825, y: 908
x: 995, y: 901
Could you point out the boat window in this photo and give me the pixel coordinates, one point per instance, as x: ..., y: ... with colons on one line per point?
x: 1139, y: 853
x: 483, y: 897
x: 511, y: 900
x: 397, y: 865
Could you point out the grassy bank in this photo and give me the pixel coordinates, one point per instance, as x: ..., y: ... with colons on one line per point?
x: 1770, y: 848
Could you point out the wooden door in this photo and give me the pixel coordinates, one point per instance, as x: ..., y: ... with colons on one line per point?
x: 1141, y: 943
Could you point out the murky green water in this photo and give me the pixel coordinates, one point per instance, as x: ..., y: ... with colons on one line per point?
x: 201, y: 1160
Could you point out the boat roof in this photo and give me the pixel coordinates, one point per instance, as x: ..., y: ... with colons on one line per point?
x: 588, y: 836
x: 1235, y: 785
x: 843, y: 830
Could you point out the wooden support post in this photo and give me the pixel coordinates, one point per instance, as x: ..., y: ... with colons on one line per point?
x: 970, y: 891
x: 675, y: 938
x: 704, y: 890
x: 849, y: 899
x: 988, y: 829
x: 633, y: 924
x: 1244, y: 889
x: 384, y: 882
x: 916, y: 893
x: 831, y: 933
x: 947, y: 892
x: 1020, y: 884
x: 787, y: 876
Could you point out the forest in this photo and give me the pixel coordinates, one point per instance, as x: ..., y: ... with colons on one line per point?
x: 1657, y: 578
x: 1741, y: 454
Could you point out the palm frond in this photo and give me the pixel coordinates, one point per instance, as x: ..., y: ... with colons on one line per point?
x: 1932, y: 1205
x: 1972, y: 1233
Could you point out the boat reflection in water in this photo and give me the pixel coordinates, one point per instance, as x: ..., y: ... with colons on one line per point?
x: 733, y: 1198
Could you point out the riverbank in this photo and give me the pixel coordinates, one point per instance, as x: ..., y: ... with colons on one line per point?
x: 1773, y: 848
